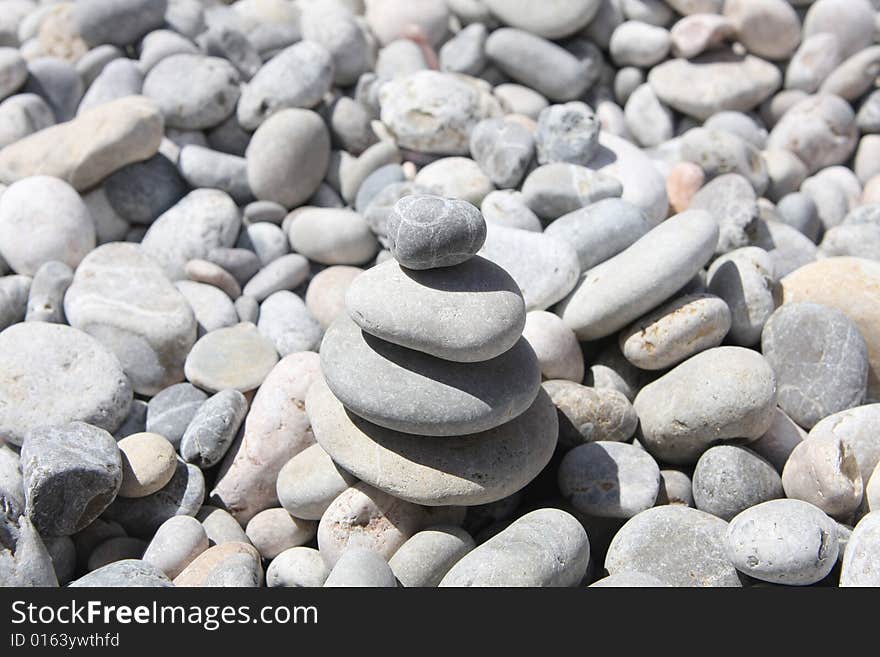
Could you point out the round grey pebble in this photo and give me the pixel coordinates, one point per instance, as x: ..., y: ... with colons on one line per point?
x: 284, y: 273
x: 118, y: 23
x: 820, y: 359
x: 203, y: 167
x: 297, y: 567
x: 286, y: 321
x: 359, y: 567
x: 729, y: 479
x: 507, y: 207
x: 139, y: 193
x: 171, y: 410
x: 427, y: 556
x: 309, y: 482
x: 553, y: 190
x: 609, y: 479
x: 783, y: 542
x: 176, y: 543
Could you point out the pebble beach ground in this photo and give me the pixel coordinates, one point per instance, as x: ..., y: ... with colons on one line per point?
x: 458, y: 293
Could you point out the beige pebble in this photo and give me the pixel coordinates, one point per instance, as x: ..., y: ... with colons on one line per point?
x: 684, y: 180
x: 148, y: 463
x: 274, y: 530
x: 325, y: 297
x: 203, y: 271
x: 824, y: 472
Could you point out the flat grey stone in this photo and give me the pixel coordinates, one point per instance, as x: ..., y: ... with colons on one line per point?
x: 284, y: 273
x: 54, y: 374
x: 71, y: 473
x: 467, y: 313
x: 545, y: 268
x: 237, y: 357
x: 676, y: 544
x: 119, y: 78
x: 211, y: 306
x: 125, y: 573
x: 57, y: 81
x: 503, y: 149
x: 745, y: 279
x: 554, y: 20
x: 619, y: 290
x: 332, y: 236
x: 723, y: 393
x: 213, y: 428
x: 432, y: 396
x: 591, y: 414
x: 286, y: 321
x: 507, y: 208
x: 553, y: 190
x: 204, y: 167
x: 436, y: 471
x: 820, y: 359
x: 547, y: 547
x: 155, y: 332
x: 117, y: 23
x: 609, y: 479
x: 309, y: 482
x: 783, y: 542
x: 427, y: 556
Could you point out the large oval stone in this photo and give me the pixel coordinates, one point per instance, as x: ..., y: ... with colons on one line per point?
x: 121, y: 297
x: 413, y: 392
x: 462, y: 470
x: 467, y: 313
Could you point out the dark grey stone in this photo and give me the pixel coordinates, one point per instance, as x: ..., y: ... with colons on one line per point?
x: 170, y: 411
x: 213, y: 428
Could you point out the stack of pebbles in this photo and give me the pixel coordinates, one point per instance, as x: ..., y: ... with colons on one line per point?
x: 429, y: 391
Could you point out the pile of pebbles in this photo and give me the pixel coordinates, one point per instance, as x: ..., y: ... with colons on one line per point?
x: 439, y: 293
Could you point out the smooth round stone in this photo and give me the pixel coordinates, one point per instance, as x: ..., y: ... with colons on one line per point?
x: 526, y: 58
x: 821, y: 130
x: 465, y: 52
x: 628, y: 580
x: 159, y: 44
x: 209, y: 273
x: 148, y: 463
x: 309, y: 482
x: 276, y: 429
x: 332, y: 236
x: 41, y: 364
x: 675, y: 488
x: 856, y: 427
x: 799, y: 211
x: 325, y: 296
x: 350, y: 124
x: 390, y: 20
x: 649, y: 121
x: 230, y: 564
x: 691, y: 86
x: 116, y: 549
x: 553, y: 190
x: 719, y: 394
x: 194, y: 92
x: 126, y: 573
x: 377, y: 182
x: 520, y: 99
x: 236, y: 357
x: 201, y: 221
x: 544, y: 548
x: 433, y: 397
x: 555, y: 345
x: 427, y: 232
x: 820, y: 360
x: 157, y: 328
x: 676, y: 331
x: 297, y: 77
x: 141, y: 192
x: 619, y: 290
x: 609, y: 479
x: 400, y: 57
x: 70, y: 473
x: 851, y: 79
x: 591, y: 414
x: 744, y: 279
x: 676, y: 544
x: 288, y: 324
x: 364, y: 517
x: 361, y: 568
x: 288, y: 156
x: 503, y: 149
x: 353, y: 171
x: 142, y: 516
x: 730, y: 479
x: 851, y: 21
x: 456, y: 178
x: 545, y: 268
x: 626, y: 81
x: 783, y: 542
x: 461, y: 470
x: 220, y: 526
x: 635, y: 43
x: 273, y: 531
x: 552, y: 20
x: 297, y: 567
x: 785, y: 173
x: 45, y: 297
x: 468, y: 313
x: 380, y: 206
x: 767, y: 28
x: 213, y: 428
x: 43, y: 219
x: 23, y: 115
x: 265, y: 239
x: 601, y: 230
x: 848, y: 284
x: 211, y: 307
x: 861, y: 566
x: 508, y: 208
x: 284, y: 273
x: 170, y: 411
x: 434, y: 112
x: 178, y: 541
x: 823, y: 471
x: 788, y: 248
x: 427, y: 556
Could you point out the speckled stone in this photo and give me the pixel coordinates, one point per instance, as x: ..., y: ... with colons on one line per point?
x: 553, y: 190
x: 213, y: 428
x: 503, y: 149
x: 729, y: 479
x: 428, y: 555
x: 824, y: 471
x: 591, y: 414
x: 297, y: 567
x: 125, y: 573
x: 170, y: 411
